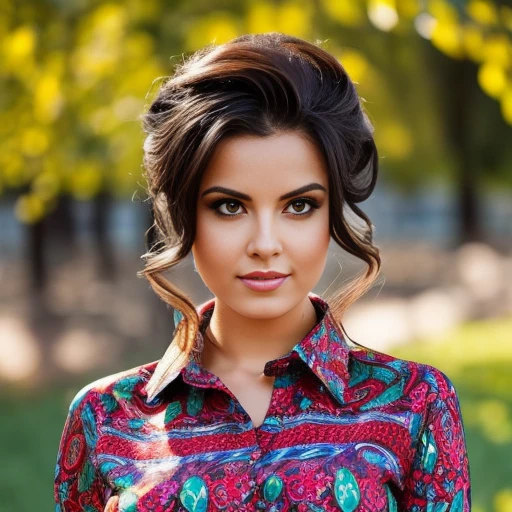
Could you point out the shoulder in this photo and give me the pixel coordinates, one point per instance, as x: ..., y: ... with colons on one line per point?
x: 117, y: 387
x: 370, y: 362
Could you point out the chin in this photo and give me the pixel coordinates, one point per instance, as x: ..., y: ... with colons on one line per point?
x: 259, y: 306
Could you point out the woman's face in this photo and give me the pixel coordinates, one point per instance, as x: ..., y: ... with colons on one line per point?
x: 251, y: 227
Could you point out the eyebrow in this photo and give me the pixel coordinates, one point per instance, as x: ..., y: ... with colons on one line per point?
x: 245, y: 197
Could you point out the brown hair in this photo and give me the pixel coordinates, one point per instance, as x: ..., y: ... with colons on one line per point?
x: 255, y: 84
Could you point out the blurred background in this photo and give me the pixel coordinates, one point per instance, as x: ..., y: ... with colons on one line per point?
x: 436, y: 78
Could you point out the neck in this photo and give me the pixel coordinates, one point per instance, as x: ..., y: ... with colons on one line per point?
x: 237, y: 343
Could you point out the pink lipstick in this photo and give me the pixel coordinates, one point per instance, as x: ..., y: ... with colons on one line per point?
x: 264, y: 281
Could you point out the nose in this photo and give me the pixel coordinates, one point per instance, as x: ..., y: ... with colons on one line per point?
x: 264, y: 239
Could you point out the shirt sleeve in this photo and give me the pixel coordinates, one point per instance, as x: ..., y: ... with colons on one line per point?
x: 439, y: 477
x: 78, y: 484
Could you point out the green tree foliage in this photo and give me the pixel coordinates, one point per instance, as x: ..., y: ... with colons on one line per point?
x: 75, y: 76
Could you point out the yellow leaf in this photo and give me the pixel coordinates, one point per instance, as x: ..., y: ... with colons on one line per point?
x: 294, y: 18
x: 492, y: 79
x: 85, y: 181
x: 146, y: 10
x: 506, y: 104
x: 34, y: 141
x: 100, y: 43
x: 12, y: 170
x: 216, y: 28
x: 447, y: 37
x: 355, y: 64
x: 395, y: 140
x: 498, y: 49
x: 408, y: 8
x: 19, y: 46
x: 46, y: 185
x: 473, y: 42
x: 102, y: 120
x: 261, y: 17
x: 29, y: 208
x: 48, y: 100
x: 351, y: 13
x: 109, y: 21
x: 443, y: 11
x: 138, y: 46
x: 483, y: 12
x: 503, y: 501
x: 495, y: 421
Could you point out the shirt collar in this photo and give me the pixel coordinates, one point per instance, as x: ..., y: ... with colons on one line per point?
x: 324, y: 350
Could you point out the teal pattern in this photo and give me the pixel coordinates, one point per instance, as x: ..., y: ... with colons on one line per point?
x: 392, y: 506
x: 173, y: 409
x: 124, y: 481
x: 86, y: 477
x: 123, y: 389
x: 195, y: 402
x: 458, y: 503
x: 429, y: 448
x: 109, y: 402
x: 136, y: 423
x: 194, y: 495
x: 272, y: 488
x: 346, y: 490
x: 437, y: 507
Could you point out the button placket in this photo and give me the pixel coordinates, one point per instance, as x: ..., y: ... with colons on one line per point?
x: 255, y: 456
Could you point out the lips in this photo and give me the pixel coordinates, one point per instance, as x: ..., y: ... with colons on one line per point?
x: 262, y: 275
x: 265, y: 284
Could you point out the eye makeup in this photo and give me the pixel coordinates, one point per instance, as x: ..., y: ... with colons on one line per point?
x: 307, y: 200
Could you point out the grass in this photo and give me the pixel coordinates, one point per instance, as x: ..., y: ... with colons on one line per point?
x: 477, y: 357
x: 30, y: 431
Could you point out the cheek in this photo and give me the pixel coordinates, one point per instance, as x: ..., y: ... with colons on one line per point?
x: 314, y: 251
x: 213, y: 247
x: 311, y: 243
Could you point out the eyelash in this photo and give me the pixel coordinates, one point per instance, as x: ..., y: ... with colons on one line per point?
x: 312, y: 202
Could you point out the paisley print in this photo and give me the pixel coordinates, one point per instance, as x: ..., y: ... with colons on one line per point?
x: 348, y: 429
x: 74, y: 453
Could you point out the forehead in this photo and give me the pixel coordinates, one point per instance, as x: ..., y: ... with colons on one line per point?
x: 277, y: 162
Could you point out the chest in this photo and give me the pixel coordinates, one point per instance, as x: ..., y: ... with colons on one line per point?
x: 207, y: 452
x: 299, y: 470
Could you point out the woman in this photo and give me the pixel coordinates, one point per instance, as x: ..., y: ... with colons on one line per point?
x: 254, y: 149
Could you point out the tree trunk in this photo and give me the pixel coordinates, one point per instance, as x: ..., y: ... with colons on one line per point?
x: 456, y: 89
x: 105, y: 257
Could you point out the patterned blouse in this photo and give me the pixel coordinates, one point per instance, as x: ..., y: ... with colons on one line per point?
x: 348, y: 428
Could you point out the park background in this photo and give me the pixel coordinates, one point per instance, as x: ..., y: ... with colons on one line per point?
x: 75, y: 76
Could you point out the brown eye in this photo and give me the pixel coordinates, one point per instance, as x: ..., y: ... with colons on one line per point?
x: 231, y: 207
x: 301, y: 204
